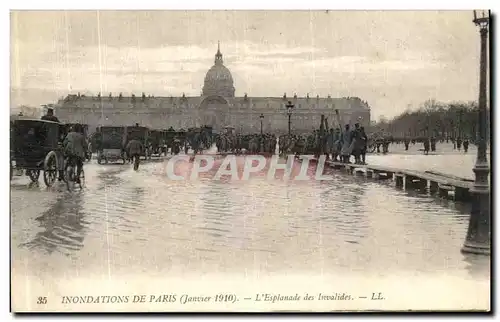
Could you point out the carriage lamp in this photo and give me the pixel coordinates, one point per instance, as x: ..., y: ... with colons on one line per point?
x: 289, y: 109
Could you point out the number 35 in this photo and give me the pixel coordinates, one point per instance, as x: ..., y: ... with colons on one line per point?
x: 41, y: 300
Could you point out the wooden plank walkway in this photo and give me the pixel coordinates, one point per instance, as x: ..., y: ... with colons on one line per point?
x: 448, y: 176
x: 435, y: 182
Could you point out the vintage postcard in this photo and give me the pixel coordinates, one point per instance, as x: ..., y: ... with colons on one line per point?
x: 250, y: 161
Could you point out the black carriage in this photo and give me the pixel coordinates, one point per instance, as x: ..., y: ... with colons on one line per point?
x: 180, y: 136
x: 139, y: 133
x: 36, y: 146
x: 110, y: 144
x: 157, y: 139
x: 170, y: 135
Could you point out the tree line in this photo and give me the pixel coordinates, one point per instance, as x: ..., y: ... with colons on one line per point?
x: 435, y: 119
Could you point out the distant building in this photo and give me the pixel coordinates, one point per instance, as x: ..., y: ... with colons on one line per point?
x: 27, y: 111
x: 217, y: 107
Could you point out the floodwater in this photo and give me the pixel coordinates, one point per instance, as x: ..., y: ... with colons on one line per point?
x: 142, y: 224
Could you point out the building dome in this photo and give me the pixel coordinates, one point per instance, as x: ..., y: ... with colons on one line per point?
x: 218, y: 73
x: 218, y: 80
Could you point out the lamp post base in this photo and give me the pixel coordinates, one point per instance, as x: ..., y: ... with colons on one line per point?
x: 478, y: 240
x: 478, y: 249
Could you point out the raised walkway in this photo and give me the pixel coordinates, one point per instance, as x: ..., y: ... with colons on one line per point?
x: 432, y: 181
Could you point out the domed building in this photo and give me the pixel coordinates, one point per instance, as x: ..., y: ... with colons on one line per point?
x: 217, y: 107
x: 218, y: 80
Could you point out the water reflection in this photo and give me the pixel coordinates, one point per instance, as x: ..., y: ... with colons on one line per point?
x: 214, y: 198
x: 120, y: 207
x: 351, y: 223
x: 63, y: 230
x: 217, y: 211
x: 477, y: 266
x: 110, y: 178
x: 256, y: 226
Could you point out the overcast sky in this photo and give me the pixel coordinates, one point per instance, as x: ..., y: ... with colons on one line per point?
x: 390, y: 59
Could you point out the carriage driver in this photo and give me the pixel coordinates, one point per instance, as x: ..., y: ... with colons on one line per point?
x: 50, y: 116
x: 75, y: 149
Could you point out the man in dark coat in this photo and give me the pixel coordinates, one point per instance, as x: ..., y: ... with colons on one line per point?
x: 426, y: 145
x: 134, y: 148
x: 50, y: 116
x: 75, y: 149
x: 407, y: 143
x: 364, y: 144
x: 466, y: 145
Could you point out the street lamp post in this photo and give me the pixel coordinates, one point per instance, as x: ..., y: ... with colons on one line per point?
x: 261, y: 119
x: 289, y: 109
x: 478, y: 238
x: 261, y: 133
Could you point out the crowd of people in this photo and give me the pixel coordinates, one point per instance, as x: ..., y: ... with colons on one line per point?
x: 429, y: 143
x: 251, y: 143
x: 338, y: 145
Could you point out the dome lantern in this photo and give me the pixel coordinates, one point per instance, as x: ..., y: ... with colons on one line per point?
x: 218, y: 56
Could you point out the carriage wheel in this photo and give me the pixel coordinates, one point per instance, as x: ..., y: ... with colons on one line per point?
x: 50, y: 167
x: 34, y: 175
x: 99, y: 160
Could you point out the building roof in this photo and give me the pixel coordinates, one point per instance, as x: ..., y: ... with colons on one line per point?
x: 219, y: 82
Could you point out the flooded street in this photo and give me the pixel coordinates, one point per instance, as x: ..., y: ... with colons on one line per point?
x: 141, y: 223
x: 399, y: 95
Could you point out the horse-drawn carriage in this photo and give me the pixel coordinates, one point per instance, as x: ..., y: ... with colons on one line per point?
x: 110, y: 144
x: 157, y: 139
x: 36, y: 147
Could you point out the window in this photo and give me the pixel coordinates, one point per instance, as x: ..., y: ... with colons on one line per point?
x: 31, y: 133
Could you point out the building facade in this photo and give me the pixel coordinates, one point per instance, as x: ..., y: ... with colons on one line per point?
x: 217, y: 107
